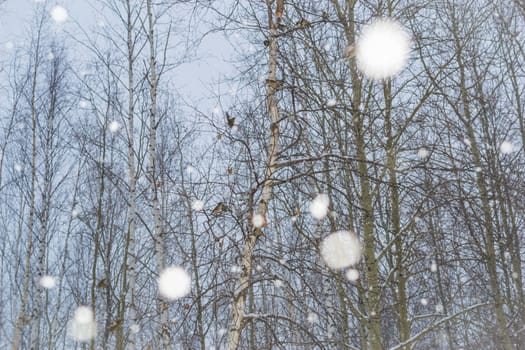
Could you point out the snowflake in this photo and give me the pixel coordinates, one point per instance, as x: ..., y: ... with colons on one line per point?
x: 114, y: 126
x: 83, y: 327
x: 506, y: 147
x: 382, y: 49
x: 197, y: 205
x: 341, y: 249
x: 423, y: 153
x: 258, y: 221
x: 47, y: 282
x: 319, y: 206
x: 312, y: 318
x: 352, y: 275
x: 174, y: 283
x: 331, y: 102
x: 134, y: 328
x: 59, y: 14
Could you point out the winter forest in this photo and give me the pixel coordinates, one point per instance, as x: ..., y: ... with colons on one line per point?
x: 262, y: 174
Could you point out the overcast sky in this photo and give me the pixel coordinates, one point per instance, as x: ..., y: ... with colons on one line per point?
x: 193, y: 80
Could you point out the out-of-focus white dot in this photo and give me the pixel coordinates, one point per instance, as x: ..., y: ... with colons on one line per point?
x: 382, y: 49
x: 190, y: 169
x: 76, y: 211
x: 439, y: 308
x: 50, y: 56
x: 9, y: 45
x: 83, y: 327
x: 352, y: 275
x: 341, y: 249
x: 424, y: 301
x: 59, y: 14
x: 515, y: 275
x: 82, y: 332
x: 83, y: 104
x: 433, y: 267
x: 114, y: 126
x: 18, y: 168
x: 84, y: 314
x: 327, y: 47
x: 331, y: 102
x: 278, y: 283
x: 506, y: 147
x: 174, y: 283
x: 47, y: 282
x: 466, y: 141
x: 312, y: 318
x: 197, y: 205
x: 134, y: 328
x: 477, y: 169
x: 423, y: 153
x: 258, y: 268
x: 235, y: 269
x: 258, y: 221
x: 319, y: 206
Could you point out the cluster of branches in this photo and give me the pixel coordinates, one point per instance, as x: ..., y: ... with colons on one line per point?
x: 103, y: 164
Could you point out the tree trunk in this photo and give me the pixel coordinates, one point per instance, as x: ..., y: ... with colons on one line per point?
x: 243, y: 283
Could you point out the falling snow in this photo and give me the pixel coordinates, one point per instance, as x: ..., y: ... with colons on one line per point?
x: 83, y: 327
x: 506, y: 147
x: 311, y: 118
x: 341, y: 249
x: 114, y: 126
x: 423, y: 153
x: 319, y: 206
x: 47, y: 282
x: 174, y: 283
x: 59, y: 14
x: 352, y: 275
x: 382, y: 49
x: 197, y: 205
x: 331, y: 102
x: 312, y: 318
x: 258, y: 221
x: 134, y: 328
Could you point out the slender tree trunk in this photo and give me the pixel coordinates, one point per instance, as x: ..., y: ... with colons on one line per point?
x: 401, y: 274
x: 467, y: 119
x: 129, y: 266
x: 243, y: 283
x: 196, y: 276
x: 100, y: 218
x: 44, y: 213
x: 157, y: 221
x: 25, y: 289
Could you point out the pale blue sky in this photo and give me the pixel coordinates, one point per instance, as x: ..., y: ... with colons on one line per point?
x: 194, y: 80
